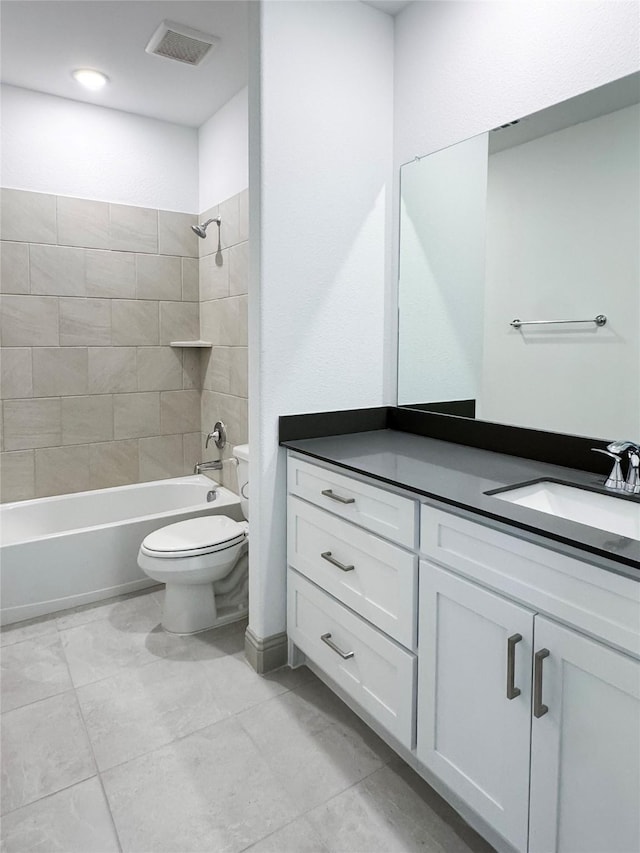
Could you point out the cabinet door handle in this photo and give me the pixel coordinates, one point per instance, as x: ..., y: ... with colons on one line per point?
x: 326, y: 638
x: 326, y: 555
x: 329, y: 493
x: 539, y: 710
x: 512, y: 690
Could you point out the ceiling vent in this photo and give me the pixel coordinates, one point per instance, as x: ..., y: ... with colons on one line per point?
x: 184, y: 44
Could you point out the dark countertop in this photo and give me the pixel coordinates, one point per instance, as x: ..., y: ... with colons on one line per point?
x: 460, y: 476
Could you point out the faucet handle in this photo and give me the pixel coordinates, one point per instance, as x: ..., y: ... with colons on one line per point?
x: 615, y: 480
x: 219, y: 436
x: 621, y: 446
x: 632, y: 484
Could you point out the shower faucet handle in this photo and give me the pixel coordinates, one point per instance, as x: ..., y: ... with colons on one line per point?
x: 218, y: 436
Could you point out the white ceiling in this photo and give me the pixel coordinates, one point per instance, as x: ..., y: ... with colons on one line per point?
x: 391, y: 7
x: 42, y: 41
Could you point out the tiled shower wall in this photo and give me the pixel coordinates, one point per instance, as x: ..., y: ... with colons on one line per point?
x: 224, y: 260
x: 93, y: 395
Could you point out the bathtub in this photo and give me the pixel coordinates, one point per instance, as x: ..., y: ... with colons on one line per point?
x: 61, y: 552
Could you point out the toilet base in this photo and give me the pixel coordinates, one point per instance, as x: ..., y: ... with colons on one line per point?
x: 191, y: 608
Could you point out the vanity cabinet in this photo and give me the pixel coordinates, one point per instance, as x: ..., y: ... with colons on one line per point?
x: 352, y: 589
x: 535, y: 725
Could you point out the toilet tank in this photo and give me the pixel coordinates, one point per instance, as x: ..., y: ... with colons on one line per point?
x: 241, y: 453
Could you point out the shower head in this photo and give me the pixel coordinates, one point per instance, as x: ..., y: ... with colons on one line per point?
x: 201, y: 230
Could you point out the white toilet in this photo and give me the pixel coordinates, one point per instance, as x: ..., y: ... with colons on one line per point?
x: 204, y: 564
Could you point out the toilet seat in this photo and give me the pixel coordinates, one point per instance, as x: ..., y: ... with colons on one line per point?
x: 194, y: 538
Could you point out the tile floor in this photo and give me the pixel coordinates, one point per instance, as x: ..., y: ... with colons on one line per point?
x: 119, y: 737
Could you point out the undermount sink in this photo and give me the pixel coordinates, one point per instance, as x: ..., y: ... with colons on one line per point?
x: 606, y: 512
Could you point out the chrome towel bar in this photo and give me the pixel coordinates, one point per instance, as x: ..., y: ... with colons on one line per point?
x: 600, y: 320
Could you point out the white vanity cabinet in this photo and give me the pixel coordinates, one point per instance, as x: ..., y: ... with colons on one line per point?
x: 352, y: 589
x: 535, y: 725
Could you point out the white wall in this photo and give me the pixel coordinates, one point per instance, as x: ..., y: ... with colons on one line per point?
x: 563, y: 222
x: 54, y: 145
x: 442, y: 263
x: 320, y: 189
x: 223, y: 143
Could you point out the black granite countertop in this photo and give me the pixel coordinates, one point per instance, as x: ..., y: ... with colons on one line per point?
x: 461, y: 476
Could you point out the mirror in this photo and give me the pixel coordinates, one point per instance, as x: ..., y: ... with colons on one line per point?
x: 535, y: 221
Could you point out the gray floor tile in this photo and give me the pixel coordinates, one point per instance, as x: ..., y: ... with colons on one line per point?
x: 75, y: 820
x: 44, y: 749
x: 136, y: 711
x: 28, y: 630
x: 315, y: 750
x: 32, y: 670
x: 297, y: 837
x: 210, y: 791
x: 120, y: 610
x: 393, y: 811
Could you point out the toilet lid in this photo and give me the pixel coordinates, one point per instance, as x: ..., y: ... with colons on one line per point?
x: 195, y: 536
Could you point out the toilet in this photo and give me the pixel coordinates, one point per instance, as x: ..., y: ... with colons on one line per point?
x: 204, y: 564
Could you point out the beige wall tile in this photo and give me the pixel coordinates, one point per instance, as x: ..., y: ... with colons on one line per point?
x: 135, y: 322
x: 190, y: 285
x: 218, y: 370
x: 239, y: 372
x: 161, y: 457
x: 192, y: 450
x: 179, y: 411
x: 29, y: 321
x: 239, y: 269
x: 17, y: 476
x: 136, y: 415
x: 111, y: 274
x: 62, y: 470
x: 214, y: 276
x: 175, y: 236
x: 113, y: 463
x: 56, y: 270
x: 32, y: 423
x: 192, y: 368
x: 17, y: 378
x: 243, y: 215
x: 59, y: 371
x: 28, y: 217
x: 14, y: 267
x: 210, y: 317
x: 230, y: 317
x: 159, y: 277
x: 133, y: 229
x: 85, y: 322
x: 230, y: 225
x: 87, y: 419
x: 82, y: 222
x: 159, y: 369
x: 179, y: 321
x: 112, y: 370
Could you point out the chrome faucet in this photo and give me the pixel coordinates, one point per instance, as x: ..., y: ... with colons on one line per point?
x: 214, y: 465
x: 616, y: 481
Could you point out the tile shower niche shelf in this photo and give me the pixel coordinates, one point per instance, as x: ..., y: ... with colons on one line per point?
x: 201, y: 344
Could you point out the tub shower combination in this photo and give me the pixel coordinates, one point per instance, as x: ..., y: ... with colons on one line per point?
x: 62, y: 552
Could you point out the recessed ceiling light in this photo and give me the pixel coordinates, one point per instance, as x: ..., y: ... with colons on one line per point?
x: 90, y: 79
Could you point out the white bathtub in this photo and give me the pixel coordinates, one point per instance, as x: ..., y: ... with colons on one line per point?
x: 60, y: 552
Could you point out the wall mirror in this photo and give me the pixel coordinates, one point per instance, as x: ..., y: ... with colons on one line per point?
x: 535, y: 221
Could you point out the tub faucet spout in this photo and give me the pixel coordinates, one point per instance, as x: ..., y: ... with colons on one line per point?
x: 214, y: 465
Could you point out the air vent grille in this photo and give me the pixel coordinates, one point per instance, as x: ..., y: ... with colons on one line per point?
x: 181, y: 43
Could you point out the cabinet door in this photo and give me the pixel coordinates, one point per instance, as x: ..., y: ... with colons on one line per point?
x: 470, y: 734
x: 585, y: 749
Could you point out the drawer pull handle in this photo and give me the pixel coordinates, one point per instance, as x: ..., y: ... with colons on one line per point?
x: 512, y: 690
x: 326, y: 555
x: 539, y: 710
x: 326, y: 638
x: 328, y: 493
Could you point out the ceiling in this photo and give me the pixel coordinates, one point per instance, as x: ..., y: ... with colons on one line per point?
x: 42, y: 41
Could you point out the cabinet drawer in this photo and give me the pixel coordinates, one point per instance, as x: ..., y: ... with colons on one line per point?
x: 374, y: 578
x: 386, y: 513
x: 598, y: 602
x: 378, y: 673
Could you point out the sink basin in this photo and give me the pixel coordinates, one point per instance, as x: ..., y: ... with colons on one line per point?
x: 606, y: 512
